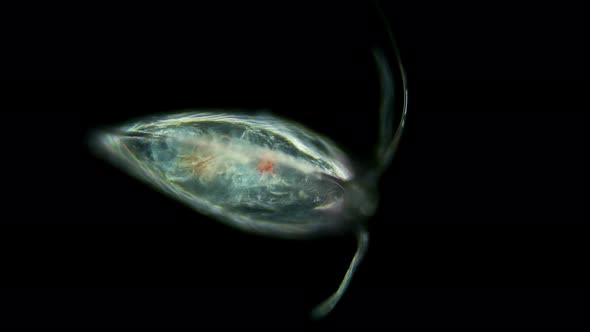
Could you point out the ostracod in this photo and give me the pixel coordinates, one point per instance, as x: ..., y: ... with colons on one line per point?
x: 262, y: 173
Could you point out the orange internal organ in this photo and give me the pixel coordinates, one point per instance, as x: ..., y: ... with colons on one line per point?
x: 266, y: 165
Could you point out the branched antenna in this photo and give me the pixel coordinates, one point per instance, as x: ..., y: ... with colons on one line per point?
x: 327, y: 305
x: 389, y: 140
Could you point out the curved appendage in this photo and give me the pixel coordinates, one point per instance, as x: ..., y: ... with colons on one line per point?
x: 388, y: 138
x: 327, y: 305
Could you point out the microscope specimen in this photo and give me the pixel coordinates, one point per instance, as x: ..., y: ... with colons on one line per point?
x: 262, y: 173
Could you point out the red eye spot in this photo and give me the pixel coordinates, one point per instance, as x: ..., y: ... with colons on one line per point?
x: 266, y: 165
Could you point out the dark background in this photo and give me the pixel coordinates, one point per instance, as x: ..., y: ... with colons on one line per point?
x: 482, y: 221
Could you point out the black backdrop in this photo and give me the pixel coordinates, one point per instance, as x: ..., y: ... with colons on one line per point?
x: 481, y: 221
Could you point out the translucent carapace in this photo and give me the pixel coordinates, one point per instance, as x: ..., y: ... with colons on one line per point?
x: 259, y: 172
